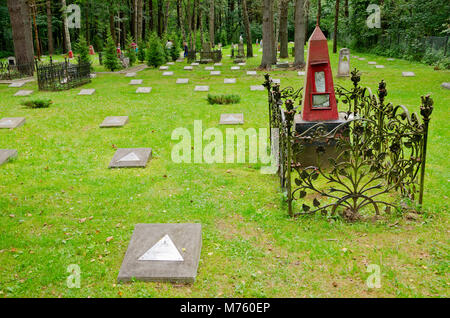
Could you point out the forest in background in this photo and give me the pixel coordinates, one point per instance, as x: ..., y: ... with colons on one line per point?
x: 411, y: 29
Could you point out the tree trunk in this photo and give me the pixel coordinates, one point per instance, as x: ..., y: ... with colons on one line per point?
x: 211, y: 23
x: 319, y: 11
x: 346, y: 12
x: 268, y: 47
x: 151, y: 24
x: 181, y: 19
x: 112, y: 28
x: 247, y: 29
x: 299, y: 33
x: 21, y: 31
x: 284, y: 6
x: 36, y: 33
x: 140, y: 18
x: 306, y: 6
x: 276, y: 32
x: 160, y: 18
x: 336, y: 22
x: 51, y: 48
x: 166, y: 16
x: 68, y: 44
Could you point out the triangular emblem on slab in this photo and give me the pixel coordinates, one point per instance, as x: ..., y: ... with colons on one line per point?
x: 115, y: 121
x: 130, y: 157
x: 7, y: 122
x: 230, y: 118
x: 164, y: 250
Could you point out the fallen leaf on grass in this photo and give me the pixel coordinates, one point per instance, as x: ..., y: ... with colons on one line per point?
x: 109, y: 239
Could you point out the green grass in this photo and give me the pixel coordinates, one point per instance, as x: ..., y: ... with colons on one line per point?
x: 251, y: 248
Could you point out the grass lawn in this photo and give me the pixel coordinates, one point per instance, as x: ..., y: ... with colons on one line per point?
x: 59, y: 202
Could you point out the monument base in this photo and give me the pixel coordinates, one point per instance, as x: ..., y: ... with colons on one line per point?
x: 308, y: 156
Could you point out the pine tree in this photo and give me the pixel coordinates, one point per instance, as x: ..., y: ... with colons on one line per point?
x: 131, y: 52
x: 175, y: 50
x: 111, y: 62
x: 155, y: 52
x: 83, y: 50
x: 141, y: 53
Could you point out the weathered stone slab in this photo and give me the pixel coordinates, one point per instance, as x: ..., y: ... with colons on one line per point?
x: 130, y: 75
x: 131, y: 158
x: 114, y: 121
x: 217, y: 64
x: 408, y: 74
x: 201, y: 88
x: 232, y: 119
x: 446, y: 85
x: 372, y: 63
x: 390, y: 59
x: 17, y: 84
x: 170, y: 63
x: 136, y: 82
x: 167, y: 74
x: 233, y: 68
x: 188, y: 68
x: 143, y: 90
x: 89, y: 91
x: 242, y: 64
x: 23, y: 93
x: 93, y: 75
x: 229, y: 81
x: 162, y: 253
x: 195, y: 64
x: 301, y: 73
x: 6, y: 154
x: 251, y: 73
x: 276, y: 80
x: 163, y: 68
x: 209, y: 68
x: 256, y: 88
x: 179, y: 60
x: 215, y: 73
x: 182, y: 80
x: 379, y: 66
x: 11, y: 122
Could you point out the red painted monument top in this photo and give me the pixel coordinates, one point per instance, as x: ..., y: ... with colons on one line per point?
x: 319, y: 100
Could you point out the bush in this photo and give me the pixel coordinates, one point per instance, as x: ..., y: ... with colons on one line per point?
x: 131, y: 53
x: 38, y: 103
x: 155, y: 52
x: 223, y: 99
x: 175, y: 50
x: 111, y: 61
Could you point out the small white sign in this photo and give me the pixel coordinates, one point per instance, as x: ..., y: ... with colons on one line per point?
x: 130, y: 157
x: 164, y: 250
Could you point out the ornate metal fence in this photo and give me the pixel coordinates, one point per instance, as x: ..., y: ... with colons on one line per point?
x: 62, y: 76
x: 381, y: 150
x: 10, y: 72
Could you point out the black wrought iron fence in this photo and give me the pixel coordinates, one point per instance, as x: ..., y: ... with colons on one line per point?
x: 62, y: 75
x: 381, y: 150
x: 10, y: 72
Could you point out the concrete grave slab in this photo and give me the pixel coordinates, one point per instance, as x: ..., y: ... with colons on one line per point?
x: 188, y: 68
x: 372, y: 63
x: 408, y: 74
x: 446, y: 85
x: 379, y: 66
x: 257, y: 88
x: 217, y: 64
x: 131, y: 158
x: 162, y: 253
x: 179, y: 60
x: 6, y: 154
x: 89, y: 91
x: 276, y: 80
x: 362, y: 58
x: 143, y: 90
x: 195, y: 64
x: 23, y: 93
x: 251, y: 73
x: 233, y: 68
x: 215, y: 73
x: 163, y: 68
x: 242, y: 64
x: 301, y: 73
x: 136, y: 82
x: 201, y: 88
x: 114, y: 121
x: 170, y: 63
x: 390, y: 59
x: 232, y: 119
x: 130, y: 75
x: 209, y: 68
x: 93, y: 75
x: 11, y: 122
x: 167, y: 74
x: 182, y: 80
x: 17, y: 84
x: 229, y: 81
